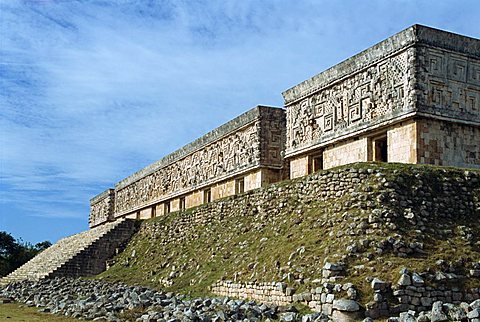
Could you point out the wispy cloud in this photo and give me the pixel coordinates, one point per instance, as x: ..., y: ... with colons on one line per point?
x: 91, y: 91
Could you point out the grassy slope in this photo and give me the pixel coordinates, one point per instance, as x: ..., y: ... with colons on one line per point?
x: 18, y: 313
x: 289, y: 238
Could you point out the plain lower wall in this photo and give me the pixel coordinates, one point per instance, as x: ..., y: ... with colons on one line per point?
x: 402, y: 143
x: 344, y: 153
x: 299, y: 166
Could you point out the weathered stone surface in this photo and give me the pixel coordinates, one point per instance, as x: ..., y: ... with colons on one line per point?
x: 102, y: 208
x: 379, y: 285
x: 475, y: 304
x: 437, y: 314
x: 417, y: 280
x: 253, y: 140
x: 407, y: 317
x: 346, y: 305
x: 474, y: 314
x: 405, y: 280
x: 345, y: 316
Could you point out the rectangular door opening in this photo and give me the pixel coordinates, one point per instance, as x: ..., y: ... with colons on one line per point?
x: 182, y: 203
x: 240, y: 185
x: 207, y: 195
x: 380, y: 149
x: 316, y: 163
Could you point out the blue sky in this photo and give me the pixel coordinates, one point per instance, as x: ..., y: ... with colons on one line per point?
x: 92, y: 91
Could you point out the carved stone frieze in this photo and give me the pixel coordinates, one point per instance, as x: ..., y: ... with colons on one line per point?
x: 369, y: 96
x: 101, y: 208
x: 236, y: 151
x: 256, y: 140
x: 450, y: 83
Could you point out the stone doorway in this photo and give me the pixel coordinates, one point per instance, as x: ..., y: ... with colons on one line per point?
x: 315, y: 163
x: 380, y: 149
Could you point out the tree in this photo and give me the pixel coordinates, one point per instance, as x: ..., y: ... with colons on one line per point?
x: 15, y: 253
x: 42, y: 245
x: 8, y: 245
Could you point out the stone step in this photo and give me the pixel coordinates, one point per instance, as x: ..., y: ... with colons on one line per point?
x: 81, y: 254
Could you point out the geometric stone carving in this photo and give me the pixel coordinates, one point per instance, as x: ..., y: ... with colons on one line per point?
x: 102, y: 208
x: 231, y: 153
x: 419, y: 70
x: 254, y: 139
x: 358, y: 100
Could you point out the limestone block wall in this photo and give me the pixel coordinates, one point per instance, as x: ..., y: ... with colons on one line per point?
x: 145, y: 213
x: 344, y: 153
x: 448, y: 143
x: 418, y: 297
x: 402, y: 143
x: 299, y: 166
x: 223, y: 189
x: 194, y: 199
x: 101, y: 208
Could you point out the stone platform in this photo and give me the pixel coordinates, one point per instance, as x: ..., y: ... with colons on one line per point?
x: 83, y: 254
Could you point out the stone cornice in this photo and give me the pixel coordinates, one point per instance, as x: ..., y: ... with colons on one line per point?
x: 414, y: 35
x: 212, y: 136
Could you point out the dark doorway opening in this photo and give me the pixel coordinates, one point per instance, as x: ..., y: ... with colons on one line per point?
x: 207, y: 195
x: 182, y: 203
x: 316, y: 163
x: 380, y: 149
x: 240, y: 185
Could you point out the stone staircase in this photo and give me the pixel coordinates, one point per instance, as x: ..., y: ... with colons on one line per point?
x: 83, y: 254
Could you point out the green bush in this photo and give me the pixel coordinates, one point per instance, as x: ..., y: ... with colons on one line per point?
x: 15, y: 253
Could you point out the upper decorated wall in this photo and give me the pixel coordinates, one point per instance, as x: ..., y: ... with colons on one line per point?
x: 417, y: 70
x: 252, y: 140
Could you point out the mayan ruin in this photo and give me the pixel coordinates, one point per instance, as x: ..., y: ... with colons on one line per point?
x: 412, y: 98
x: 244, y: 154
x: 358, y: 200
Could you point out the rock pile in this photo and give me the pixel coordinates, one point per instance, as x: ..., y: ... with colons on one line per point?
x: 98, y: 301
x: 443, y: 312
x: 101, y: 301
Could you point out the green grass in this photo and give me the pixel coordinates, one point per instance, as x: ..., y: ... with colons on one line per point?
x: 255, y: 241
x: 15, y: 312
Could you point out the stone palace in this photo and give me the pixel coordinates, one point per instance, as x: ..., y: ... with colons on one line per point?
x: 412, y: 98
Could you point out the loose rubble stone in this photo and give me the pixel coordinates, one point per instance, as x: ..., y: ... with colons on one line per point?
x: 405, y: 280
x: 345, y: 305
x: 97, y: 300
x: 378, y: 284
x: 437, y: 314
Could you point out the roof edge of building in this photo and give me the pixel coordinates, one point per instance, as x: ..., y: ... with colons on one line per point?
x: 413, y: 35
x: 210, y: 137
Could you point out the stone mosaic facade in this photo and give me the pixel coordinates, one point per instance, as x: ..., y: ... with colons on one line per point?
x: 243, y: 154
x: 364, y: 99
x: 417, y: 91
x: 102, y: 207
x: 412, y: 98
